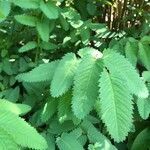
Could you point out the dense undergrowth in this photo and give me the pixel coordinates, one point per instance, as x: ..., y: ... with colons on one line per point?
x: 74, y: 74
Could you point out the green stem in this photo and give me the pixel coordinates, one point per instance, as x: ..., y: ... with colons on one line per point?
x: 39, y: 50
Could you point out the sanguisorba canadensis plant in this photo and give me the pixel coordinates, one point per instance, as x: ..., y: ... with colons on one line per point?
x: 108, y: 79
x: 74, y: 74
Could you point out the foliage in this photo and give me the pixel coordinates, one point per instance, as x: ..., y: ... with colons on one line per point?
x: 74, y: 75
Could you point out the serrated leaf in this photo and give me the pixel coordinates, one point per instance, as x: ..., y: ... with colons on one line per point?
x: 48, y: 46
x: 7, y: 67
x: 116, y: 63
x: 76, y: 133
x: 13, y: 94
x: 22, y: 133
x: 68, y: 142
x: 95, y: 136
x: 7, y: 142
x: 18, y: 109
x: 64, y: 107
x: 28, y: 46
x: 63, y: 77
x: 85, y: 90
x: 57, y: 128
x: 146, y: 75
x: 144, y: 107
x: 26, y: 20
x: 43, y: 29
x: 85, y: 51
x: 145, y: 40
x: 49, y: 9
x: 23, y: 64
x: 144, y: 55
x: 116, y: 103
x: 50, y: 141
x: 43, y: 72
x: 131, y: 51
x: 85, y: 35
x: 5, y: 7
x: 27, y: 4
x: 49, y: 109
x: 83, y: 139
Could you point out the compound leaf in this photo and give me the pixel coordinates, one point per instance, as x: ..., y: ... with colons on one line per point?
x: 116, y: 105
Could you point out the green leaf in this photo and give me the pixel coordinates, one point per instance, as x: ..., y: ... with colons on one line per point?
x: 142, y: 141
x: 97, y: 27
x: 73, y: 17
x: 26, y: 20
x: 43, y: 29
x: 144, y: 55
x: 57, y: 128
x: 76, y: 23
x: 49, y: 9
x: 144, y: 107
x: 5, y: 7
x: 83, y: 139
x: 18, y: 109
x: 49, y: 109
x: 116, y: 63
x: 63, y: 77
x: 116, y: 105
x: 85, y: 35
x: 85, y: 90
x: 77, y: 132
x: 50, y: 141
x: 145, y: 40
x: 131, y: 51
x: 28, y: 46
x: 7, y: 67
x: 68, y: 142
x: 146, y: 75
x: 85, y: 51
x: 95, y: 136
x: 91, y: 8
x: 64, y: 107
x: 22, y: 133
x: 23, y: 64
x: 48, y: 46
x: 27, y: 4
x: 7, y: 142
x: 4, y: 53
x: 64, y: 23
x: 43, y: 72
x: 13, y: 94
